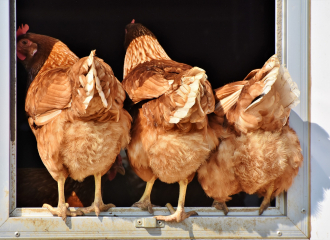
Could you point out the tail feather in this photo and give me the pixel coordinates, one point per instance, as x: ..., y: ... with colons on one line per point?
x: 288, y: 89
x: 268, y: 82
x: 191, y: 89
x: 263, y: 102
x: 280, y: 80
x: 96, y: 90
x: 224, y: 104
x: 188, y: 104
x: 88, y: 81
x: 91, y: 81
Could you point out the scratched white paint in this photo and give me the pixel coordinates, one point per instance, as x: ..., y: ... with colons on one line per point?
x: 320, y: 115
x: 4, y: 109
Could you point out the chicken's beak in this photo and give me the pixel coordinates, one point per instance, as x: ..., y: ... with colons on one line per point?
x: 121, y: 170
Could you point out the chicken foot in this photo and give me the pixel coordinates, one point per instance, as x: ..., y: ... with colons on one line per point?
x: 144, y: 203
x: 179, y: 215
x: 267, y: 198
x: 98, y: 205
x: 220, y: 206
x: 62, y: 207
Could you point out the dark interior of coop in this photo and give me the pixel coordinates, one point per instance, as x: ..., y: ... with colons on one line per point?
x: 226, y: 38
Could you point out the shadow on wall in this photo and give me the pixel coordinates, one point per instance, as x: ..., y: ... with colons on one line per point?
x: 320, y: 169
x: 320, y: 178
x: 320, y: 166
x: 320, y: 182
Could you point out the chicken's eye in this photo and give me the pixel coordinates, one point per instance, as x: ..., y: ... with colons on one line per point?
x: 24, y: 42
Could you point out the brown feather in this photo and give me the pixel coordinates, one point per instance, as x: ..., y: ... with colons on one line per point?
x: 153, y: 78
x: 79, y: 129
x: 257, y: 148
x: 259, y: 101
x: 170, y: 134
x: 250, y: 163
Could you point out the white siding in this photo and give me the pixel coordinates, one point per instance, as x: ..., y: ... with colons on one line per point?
x: 320, y: 115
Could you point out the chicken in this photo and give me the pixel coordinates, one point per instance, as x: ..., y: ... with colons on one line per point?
x: 36, y: 186
x: 259, y: 152
x: 74, y: 109
x: 170, y: 134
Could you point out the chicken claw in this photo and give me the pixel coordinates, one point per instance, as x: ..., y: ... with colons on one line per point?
x: 144, y: 203
x: 176, y: 216
x: 98, y: 205
x: 267, y: 198
x: 179, y: 215
x: 264, y: 205
x: 63, y: 211
x: 220, y: 206
x: 62, y: 207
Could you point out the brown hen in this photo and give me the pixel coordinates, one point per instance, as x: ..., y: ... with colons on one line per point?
x: 259, y: 152
x: 170, y: 134
x: 75, y: 112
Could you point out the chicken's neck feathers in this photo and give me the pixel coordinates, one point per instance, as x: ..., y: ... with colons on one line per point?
x: 143, y: 49
x: 60, y: 56
x: 49, y: 51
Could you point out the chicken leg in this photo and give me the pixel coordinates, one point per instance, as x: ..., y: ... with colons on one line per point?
x: 266, y: 202
x: 62, y: 207
x: 179, y: 214
x: 220, y: 206
x: 98, y: 205
x: 144, y: 203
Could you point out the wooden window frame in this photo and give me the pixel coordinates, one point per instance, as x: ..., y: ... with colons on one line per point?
x: 289, y: 219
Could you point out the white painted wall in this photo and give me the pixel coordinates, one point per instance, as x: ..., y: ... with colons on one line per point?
x: 320, y: 119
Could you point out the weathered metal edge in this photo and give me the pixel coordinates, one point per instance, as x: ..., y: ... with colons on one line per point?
x: 5, y: 110
x: 112, y: 227
x: 280, y: 200
x: 295, y: 55
x: 13, y: 101
x: 129, y: 211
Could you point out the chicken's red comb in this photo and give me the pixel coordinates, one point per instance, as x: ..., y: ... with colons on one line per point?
x: 133, y: 21
x: 22, y: 30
